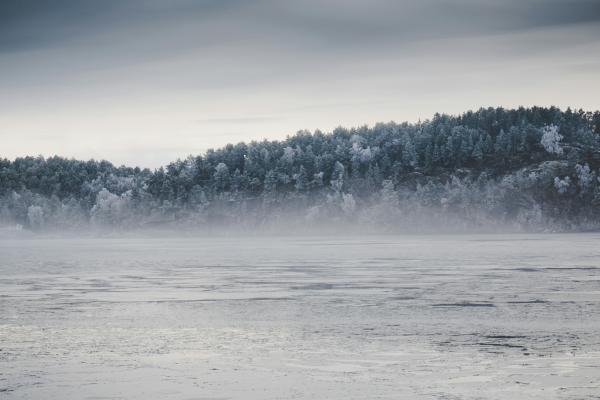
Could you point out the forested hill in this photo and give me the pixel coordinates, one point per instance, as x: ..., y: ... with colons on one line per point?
x: 522, y: 169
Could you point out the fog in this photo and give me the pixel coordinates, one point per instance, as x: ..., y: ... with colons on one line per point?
x: 422, y: 221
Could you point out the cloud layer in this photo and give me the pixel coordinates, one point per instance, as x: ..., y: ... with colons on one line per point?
x: 144, y: 82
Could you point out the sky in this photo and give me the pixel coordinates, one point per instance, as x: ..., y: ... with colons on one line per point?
x: 146, y: 82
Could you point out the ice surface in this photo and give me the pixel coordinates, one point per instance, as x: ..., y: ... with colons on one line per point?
x: 462, y: 317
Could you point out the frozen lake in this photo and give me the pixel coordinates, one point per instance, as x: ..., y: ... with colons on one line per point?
x: 462, y: 317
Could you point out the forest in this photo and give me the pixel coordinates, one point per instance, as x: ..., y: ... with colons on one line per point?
x: 525, y: 169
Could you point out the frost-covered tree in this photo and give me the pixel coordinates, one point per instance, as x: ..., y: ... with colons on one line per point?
x: 35, y: 217
x: 110, y: 209
x: 409, y: 156
x: 503, y: 144
x: 221, y: 176
x: 271, y: 181
x: 477, y: 152
x: 562, y: 185
x: 288, y: 155
x: 301, y: 180
x: 551, y: 139
x: 585, y: 176
x: 337, y: 178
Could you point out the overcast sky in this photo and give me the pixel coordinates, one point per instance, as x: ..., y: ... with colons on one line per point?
x: 146, y: 82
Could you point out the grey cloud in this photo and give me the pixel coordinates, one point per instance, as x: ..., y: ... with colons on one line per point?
x: 109, y: 74
x: 358, y: 22
x: 31, y: 24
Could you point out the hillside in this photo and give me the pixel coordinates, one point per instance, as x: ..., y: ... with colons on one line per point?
x: 521, y: 169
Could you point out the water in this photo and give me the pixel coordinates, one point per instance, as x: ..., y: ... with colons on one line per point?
x: 464, y: 317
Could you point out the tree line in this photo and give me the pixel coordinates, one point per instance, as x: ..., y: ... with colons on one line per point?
x: 527, y: 168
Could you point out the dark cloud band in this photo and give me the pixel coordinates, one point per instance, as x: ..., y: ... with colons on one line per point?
x: 26, y: 24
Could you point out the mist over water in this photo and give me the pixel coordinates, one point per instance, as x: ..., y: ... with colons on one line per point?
x: 461, y: 316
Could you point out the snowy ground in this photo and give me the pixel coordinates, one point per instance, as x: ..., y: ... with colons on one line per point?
x: 464, y: 317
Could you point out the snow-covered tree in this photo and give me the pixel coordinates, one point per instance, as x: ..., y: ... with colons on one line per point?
x: 301, y: 180
x: 337, y: 178
x: 110, y: 209
x: 551, y: 139
x: 585, y: 176
x: 288, y: 155
x: 35, y: 217
x: 562, y: 185
x: 221, y: 176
